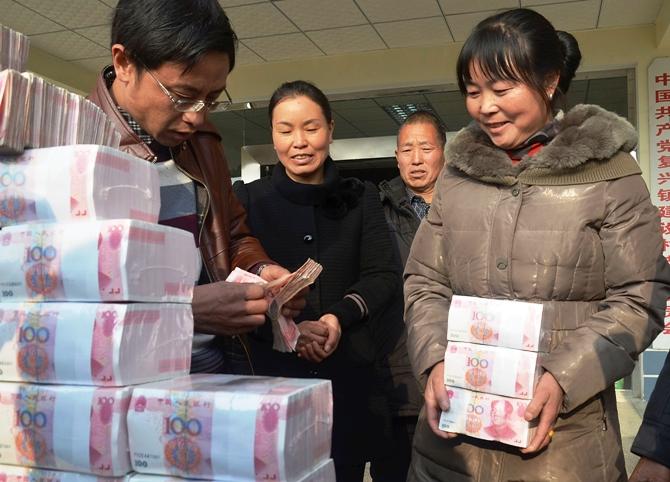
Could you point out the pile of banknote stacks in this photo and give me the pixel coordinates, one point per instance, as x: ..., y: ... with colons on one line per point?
x: 233, y: 428
x: 92, y: 300
x: 491, y: 367
x: 36, y: 113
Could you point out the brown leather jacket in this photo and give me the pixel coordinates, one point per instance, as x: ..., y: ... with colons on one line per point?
x: 224, y: 239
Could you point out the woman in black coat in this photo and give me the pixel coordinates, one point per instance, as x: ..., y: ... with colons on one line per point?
x: 306, y: 210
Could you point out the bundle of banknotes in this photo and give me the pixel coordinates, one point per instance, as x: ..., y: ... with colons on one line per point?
x: 13, y: 111
x: 13, y: 473
x: 299, y: 279
x: 77, y: 182
x: 324, y: 472
x: 486, y: 416
x: 491, y: 369
x: 57, y: 117
x: 231, y: 427
x: 35, y: 113
x: 511, y: 324
x: 492, y: 364
x: 111, y: 344
x: 13, y: 49
x: 78, y: 429
x: 113, y: 260
x: 285, y: 333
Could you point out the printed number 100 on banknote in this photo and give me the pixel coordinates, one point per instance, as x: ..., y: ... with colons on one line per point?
x: 186, y: 434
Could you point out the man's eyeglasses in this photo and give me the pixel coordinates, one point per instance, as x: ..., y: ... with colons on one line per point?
x: 188, y: 105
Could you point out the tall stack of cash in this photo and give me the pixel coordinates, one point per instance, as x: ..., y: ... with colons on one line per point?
x: 491, y: 367
x: 93, y: 299
x: 36, y: 113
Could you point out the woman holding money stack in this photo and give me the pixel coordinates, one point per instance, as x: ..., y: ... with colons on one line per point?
x: 540, y: 205
x: 306, y: 210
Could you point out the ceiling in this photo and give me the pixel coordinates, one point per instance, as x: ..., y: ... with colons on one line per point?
x: 77, y: 31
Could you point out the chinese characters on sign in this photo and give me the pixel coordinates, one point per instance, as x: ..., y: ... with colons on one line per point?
x: 659, y: 155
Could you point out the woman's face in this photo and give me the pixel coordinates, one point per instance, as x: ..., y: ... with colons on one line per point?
x: 508, y: 111
x: 301, y: 136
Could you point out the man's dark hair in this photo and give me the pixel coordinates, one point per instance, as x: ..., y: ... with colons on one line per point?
x: 181, y: 31
x: 427, y: 117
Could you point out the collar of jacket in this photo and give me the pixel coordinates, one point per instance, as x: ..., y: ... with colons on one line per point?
x: 395, y: 192
x: 336, y: 195
x: 306, y: 194
x: 129, y: 140
x: 591, y: 145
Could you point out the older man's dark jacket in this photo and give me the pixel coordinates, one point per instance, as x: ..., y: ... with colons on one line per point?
x: 653, y: 439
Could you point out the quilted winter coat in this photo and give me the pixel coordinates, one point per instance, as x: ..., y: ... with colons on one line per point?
x: 571, y: 227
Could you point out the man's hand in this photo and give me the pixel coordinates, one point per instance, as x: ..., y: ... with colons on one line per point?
x: 647, y: 470
x: 319, y: 339
x: 224, y: 308
x: 274, y: 272
x: 437, y: 400
x: 546, y: 404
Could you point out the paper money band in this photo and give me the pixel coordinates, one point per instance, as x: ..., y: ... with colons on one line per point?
x: 101, y: 344
x: 11, y: 473
x: 322, y: 472
x: 77, y: 182
x: 506, y: 323
x: 79, y: 429
x: 239, y: 428
x: 488, y: 417
x: 492, y: 369
x: 115, y: 260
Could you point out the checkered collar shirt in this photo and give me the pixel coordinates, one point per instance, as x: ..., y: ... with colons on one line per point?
x: 418, y: 204
x: 109, y: 76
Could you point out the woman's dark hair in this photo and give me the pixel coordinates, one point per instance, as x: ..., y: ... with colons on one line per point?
x: 182, y: 31
x: 523, y: 46
x: 297, y: 88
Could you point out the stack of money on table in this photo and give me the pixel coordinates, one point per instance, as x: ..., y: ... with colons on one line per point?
x: 94, y: 296
x: 233, y: 428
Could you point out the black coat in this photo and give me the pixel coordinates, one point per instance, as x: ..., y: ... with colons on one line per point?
x: 395, y: 370
x: 399, y: 213
x: 653, y: 439
x: 340, y: 224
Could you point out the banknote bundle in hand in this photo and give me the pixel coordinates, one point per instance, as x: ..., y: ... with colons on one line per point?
x: 491, y: 369
x: 13, y: 49
x: 285, y: 333
x: 488, y: 417
x: 505, y: 323
x: 492, y: 364
x: 229, y: 427
x: 79, y: 429
x: 102, y: 344
x: 284, y: 330
x: 112, y: 260
x: 77, y: 182
x: 13, y: 111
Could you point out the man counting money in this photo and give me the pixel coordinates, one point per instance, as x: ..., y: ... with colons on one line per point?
x: 170, y: 63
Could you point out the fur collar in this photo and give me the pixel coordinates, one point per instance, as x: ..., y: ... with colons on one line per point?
x: 586, y: 133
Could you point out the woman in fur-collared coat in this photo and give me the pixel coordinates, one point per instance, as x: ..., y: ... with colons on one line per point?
x: 537, y: 206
